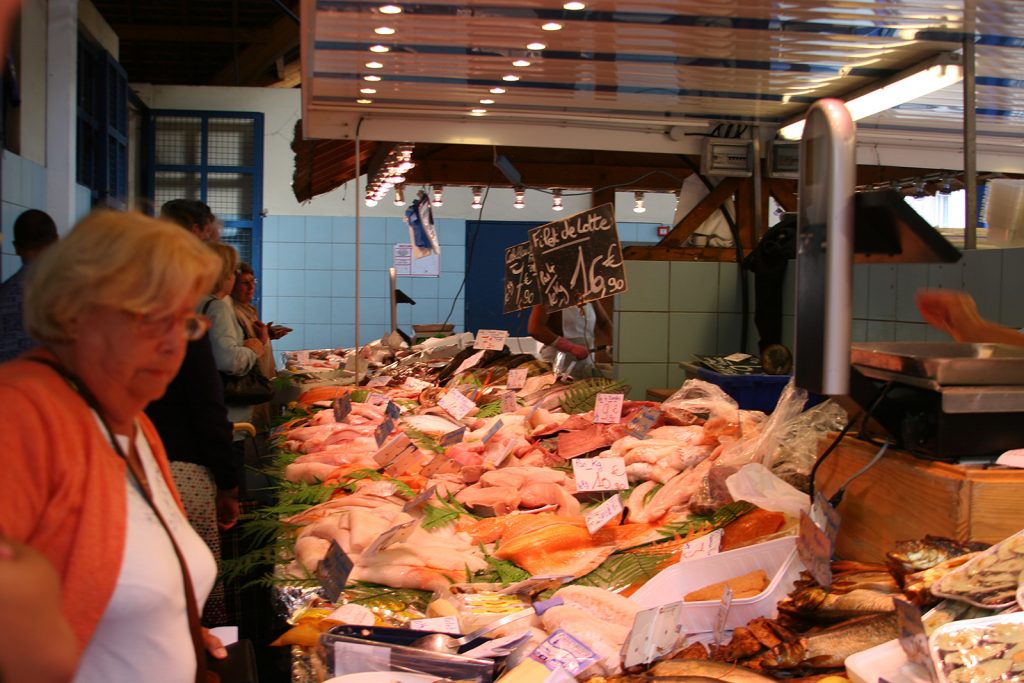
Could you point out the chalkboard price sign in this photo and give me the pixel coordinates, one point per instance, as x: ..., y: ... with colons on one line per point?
x: 578, y: 259
x: 520, y: 278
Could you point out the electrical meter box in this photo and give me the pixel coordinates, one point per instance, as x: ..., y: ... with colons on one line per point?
x: 729, y: 158
x: 784, y: 159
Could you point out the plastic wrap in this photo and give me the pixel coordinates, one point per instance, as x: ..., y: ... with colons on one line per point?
x: 797, y: 446
x: 704, y: 398
x: 713, y: 493
x: 982, y: 650
x: 755, y: 484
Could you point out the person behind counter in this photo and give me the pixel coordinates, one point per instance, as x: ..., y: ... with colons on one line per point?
x: 575, y: 331
x: 956, y: 313
x: 84, y: 471
x: 34, y: 232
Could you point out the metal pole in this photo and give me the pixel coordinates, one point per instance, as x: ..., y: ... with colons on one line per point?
x: 359, y: 200
x: 970, y: 137
x: 758, y: 184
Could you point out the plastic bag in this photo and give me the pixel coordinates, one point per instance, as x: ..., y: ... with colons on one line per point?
x: 798, y: 445
x: 713, y: 493
x: 756, y: 484
x: 704, y: 398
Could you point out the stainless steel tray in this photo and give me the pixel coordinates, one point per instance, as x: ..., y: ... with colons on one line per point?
x: 945, y: 363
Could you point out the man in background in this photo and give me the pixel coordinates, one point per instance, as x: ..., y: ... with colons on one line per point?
x: 34, y: 231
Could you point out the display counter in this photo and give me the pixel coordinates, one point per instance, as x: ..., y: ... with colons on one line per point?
x: 905, y: 497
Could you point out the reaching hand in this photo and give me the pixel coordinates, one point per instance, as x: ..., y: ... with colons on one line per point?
x: 563, y: 344
x: 952, y: 312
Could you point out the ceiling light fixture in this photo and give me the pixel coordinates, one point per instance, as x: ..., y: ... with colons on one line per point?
x: 390, y: 173
x: 394, y: 9
x: 384, y: 31
x: 510, y: 78
x: 363, y: 100
x: 380, y: 48
x: 556, y: 199
x: 930, y: 76
x: 497, y: 91
x: 372, y: 78
x: 370, y: 201
x: 520, y: 202
x: 374, y: 65
x: 486, y: 100
x: 399, y: 195
x: 521, y: 63
x: 479, y: 111
x: 368, y: 91
x: 638, y: 202
x: 574, y: 6
x: 536, y: 46
x: 438, y: 199
x: 552, y: 26
x: 478, y: 202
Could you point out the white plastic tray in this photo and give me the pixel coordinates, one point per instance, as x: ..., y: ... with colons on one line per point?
x: 886, y: 661
x: 777, y: 558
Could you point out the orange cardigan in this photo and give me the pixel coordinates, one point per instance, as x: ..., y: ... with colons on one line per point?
x: 62, y: 486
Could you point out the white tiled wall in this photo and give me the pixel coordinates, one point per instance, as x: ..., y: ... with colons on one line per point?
x: 699, y: 305
x: 308, y: 279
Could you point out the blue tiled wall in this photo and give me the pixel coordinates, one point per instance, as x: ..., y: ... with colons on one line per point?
x: 308, y: 279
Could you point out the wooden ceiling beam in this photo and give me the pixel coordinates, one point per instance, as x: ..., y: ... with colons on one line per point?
x: 258, y: 58
x: 656, y: 252
x: 553, y: 174
x: 146, y: 33
x: 700, y: 213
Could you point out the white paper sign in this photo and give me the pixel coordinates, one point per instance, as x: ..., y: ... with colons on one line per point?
x: 494, y: 429
x: 654, y: 634
x: 392, y: 450
x: 517, y: 378
x: 442, y: 624
x: 705, y: 546
x: 495, y: 459
x: 604, y: 513
x: 509, y: 403
x: 490, y: 340
x: 456, y: 405
x: 351, y: 613
x: 562, y: 649
x: 376, y: 399
x: 378, y: 381
x: 470, y: 362
x: 600, y: 474
x: 356, y: 658
x: 1014, y: 458
x: 414, y: 384
x: 608, y: 408
x: 395, y: 534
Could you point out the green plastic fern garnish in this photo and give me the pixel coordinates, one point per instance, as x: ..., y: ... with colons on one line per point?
x: 446, y: 511
x: 621, y: 570
x: 696, y: 523
x: 581, y: 396
x: 492, y: 409
x: 376, y: 595
x: 423, y: 440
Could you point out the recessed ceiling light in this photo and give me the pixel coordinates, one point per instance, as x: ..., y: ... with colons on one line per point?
x: 477, y: 112
x: 395, y: 9
x: 371, y: 77
x: 535, y: 46
x: 521, y: 62
x: 486, y: 100
x: 374, y: 65
x: 574, y: 6
x: 363, y: 100
x: 510, y: 77
x: 552, y: 26
x: 497, y: 91
x: 380, y: 48
x: 387, y: 30
x: 368, y: 91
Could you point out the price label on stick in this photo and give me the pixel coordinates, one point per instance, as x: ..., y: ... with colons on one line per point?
x: 608, y: 408
x: 489, y: 434
x: 395, y: 534
x: 470, y: 362
x: 342, y: 407
x: 383, y: 430
x: 378, y: 381
x: 490, y: 340
x: 392, y: 410
x: 705, y: 546
x: 600, y: 474
x: 722, y: 617
x: 421, y: 498
x: 826, y: 517
x: 604, y: 513
x: 414, y: 384
x: 437, y: 624
x: 376, y: 399
x: 517, y: 378
x: 509, y: 403
x: 333, y: 571
x: 815, y: 550
x: 640, y: 424
x: 456, y: 405
x: 441, y: 464
x: 495, y: 459
x: 451, y: 438
x: 655, y: 633
x: 562, y: 649
x: 912, y: 636
x: 396, y: 447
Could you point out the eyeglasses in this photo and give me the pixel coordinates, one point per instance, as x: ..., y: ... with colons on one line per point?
x: 194, y: 325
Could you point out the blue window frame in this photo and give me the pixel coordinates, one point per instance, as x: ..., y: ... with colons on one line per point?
x: 102, y: 135
x: 217, y: 157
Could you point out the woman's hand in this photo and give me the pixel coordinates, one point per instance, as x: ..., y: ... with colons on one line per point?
x: 953, y: 312
x: 213, y: 645
x: 254, y: 345
x: 261, y: 332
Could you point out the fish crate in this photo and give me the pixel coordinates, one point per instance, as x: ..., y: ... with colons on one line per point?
x: 904, y: 497
x: 777, y: 558
x: 751, y: 392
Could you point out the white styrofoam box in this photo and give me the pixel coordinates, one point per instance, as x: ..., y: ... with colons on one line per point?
x: 886, y: 661
x: 523, y: 345
x: 777, y: 558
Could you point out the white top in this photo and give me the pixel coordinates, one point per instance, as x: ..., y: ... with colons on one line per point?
x: 143, y: 634
x: 226, y: 337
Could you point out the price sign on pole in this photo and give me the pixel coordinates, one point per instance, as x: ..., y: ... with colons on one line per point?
x: 490, y: 340
x: 600, y: 474
x: 655, y: 633
x: 520, y: 290
x: 333, y: 571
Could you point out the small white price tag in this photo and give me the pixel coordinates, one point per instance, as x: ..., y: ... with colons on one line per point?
x: 912, y: 636
x: 705, y: 546
x: 351, y: 613
x: 395, y: 534
x: 421, y: 498
x: 737, y: 357
x: 414, y: 384
x: 378, y: 381
x: 490, y: 340
x: 456, y: 405
x: 608, y: 408
x: 826, y: 517
x: 494, y: 429
x: 394, y: 448
x: 815, y: 551
x: 470, y: 362
x: 375, y: 398
x: 440, y: 624
x: 517, y: 378
x: 509, y: 403
x: 600, y: 474
x: 655, y: 633
x: 563, y: 650
x: 1014, y: 458
x: 722, y: 617
x: 494, y: 460
x: 604, y: 513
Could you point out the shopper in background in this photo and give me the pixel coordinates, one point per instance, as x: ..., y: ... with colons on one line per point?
x: 956, y: 313
x: 85, y: 478
x: 576, y: 331
x: 186, y: 213
x: 248, y: 317
x: 34, y: 232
